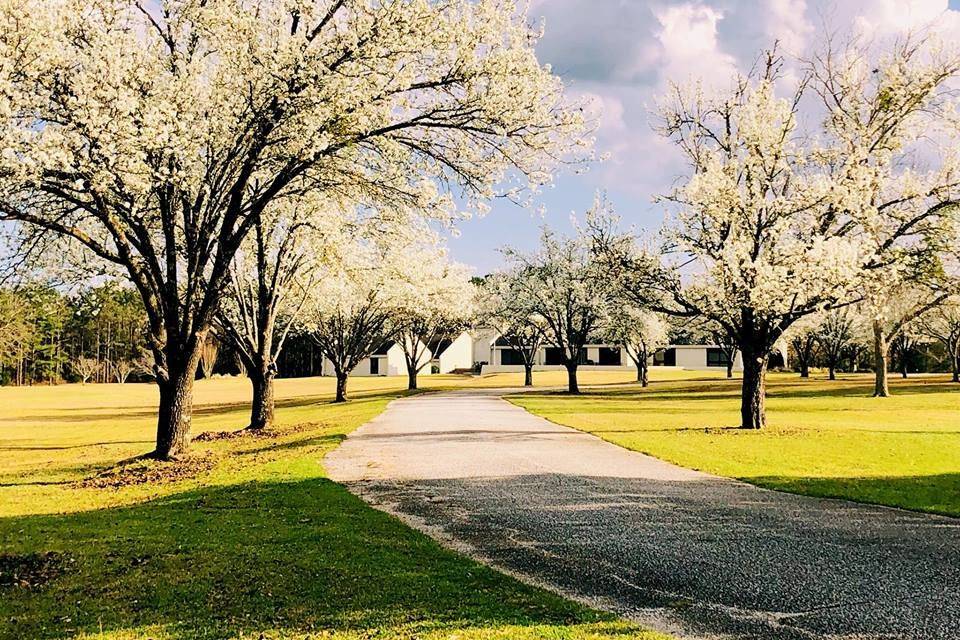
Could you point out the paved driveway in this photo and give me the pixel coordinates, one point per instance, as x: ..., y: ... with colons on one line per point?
x: 683, y: 551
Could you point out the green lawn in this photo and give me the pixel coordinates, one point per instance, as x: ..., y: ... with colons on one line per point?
x: 825, y: 438
x: 251, y: 541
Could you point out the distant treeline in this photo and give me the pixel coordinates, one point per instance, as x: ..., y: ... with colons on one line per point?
x: 96, y: 335
x: 99, y: 335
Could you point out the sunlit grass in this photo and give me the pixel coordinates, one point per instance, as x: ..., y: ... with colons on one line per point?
x: 65, y: 432
x: 825, y: 438
x: 260, y: 545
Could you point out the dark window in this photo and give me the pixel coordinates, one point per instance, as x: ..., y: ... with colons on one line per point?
x: 374, y: 366
x: 717, y: 358
x: 511, y: 356
x: 553, y: 355
x: 610, y: 356
x: 665, y: 358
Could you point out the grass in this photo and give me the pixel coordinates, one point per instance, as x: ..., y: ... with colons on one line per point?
x: 825, y: 438
x: 253, y: 542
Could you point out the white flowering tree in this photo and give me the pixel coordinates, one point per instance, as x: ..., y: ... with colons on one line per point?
x: 641, y: 332
x: 906, y: 344
x: 354, y: 310
x: 566, y: 283
x: 801, y: 337
x: 890, y: 312
x: 502, y: 307
x: 154, y: 135
x: 836, y: 333
x: 942, y: 324
x: 435, y: 310
x: 894, y: 157
x: 752, y: 220
x: 773, y: 224
x: 272, y: 277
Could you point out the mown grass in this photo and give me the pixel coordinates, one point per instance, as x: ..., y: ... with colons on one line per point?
x: 825, y: 438
x: 257, y: 544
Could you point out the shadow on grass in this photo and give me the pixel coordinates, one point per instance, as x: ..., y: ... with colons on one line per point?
x: 937, y: 493
x: 724, y: 389
x: 291, y: 557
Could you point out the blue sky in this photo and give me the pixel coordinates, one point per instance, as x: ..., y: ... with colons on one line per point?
x: 620, y: 54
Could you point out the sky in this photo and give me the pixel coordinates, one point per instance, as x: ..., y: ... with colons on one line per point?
x: 620, y: 55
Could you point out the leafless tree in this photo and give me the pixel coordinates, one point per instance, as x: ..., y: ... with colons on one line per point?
x: 85, y: 368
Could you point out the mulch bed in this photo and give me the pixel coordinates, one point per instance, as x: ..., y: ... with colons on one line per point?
x: 215, y: 436
x: 31, y: 570
x: 147, y: 470
x: 144, y: 470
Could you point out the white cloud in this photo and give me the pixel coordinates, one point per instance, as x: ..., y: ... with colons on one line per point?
x: 787, y: 21
x: 889, y: 17
x: 622, y: 53
x: 689, y: 43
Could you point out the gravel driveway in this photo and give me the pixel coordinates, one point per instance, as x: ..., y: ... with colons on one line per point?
x: 685, y: 552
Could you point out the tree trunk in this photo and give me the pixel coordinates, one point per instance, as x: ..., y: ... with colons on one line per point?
x: 341, y: 387
x: 730, y: 368
x: 639, y: 364
x: 903, y: 364
x: 528, y: 375
x: 753, y: 413
x: 572, y: 386
x: 832, y: 368
x: 175, y: 413
x: 644, y: 374
x: 804, y: 369
x: 263, y: 404
x: 955, y: 365
x: 881, y: 389
x: 411, y: 377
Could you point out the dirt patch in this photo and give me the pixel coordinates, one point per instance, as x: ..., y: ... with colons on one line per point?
x: 31, y: 570
x: 145, y: 470
x: 217, y: 436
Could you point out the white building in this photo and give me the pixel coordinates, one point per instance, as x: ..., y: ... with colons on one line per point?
x: 493, y: 354
x: 497, y: 355
x: 388, y: 360
x: 442, y: 356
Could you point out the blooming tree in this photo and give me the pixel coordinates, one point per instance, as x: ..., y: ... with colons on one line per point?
x: 85, y: 367
x: 155, y: 135
x: 773, y: 224
x: 751, y: 219
x: 566, y: 283
x: 893, y: 154
x: 435, y: 310
x: 641, y: 333
x: 942, y: 323
x: 271, y: 279
x: 122, y: 368
x: 502, y: 307
x: 353, y: 310
x: 801, y: 337
x: 890, y: 311
x: 835, y: 334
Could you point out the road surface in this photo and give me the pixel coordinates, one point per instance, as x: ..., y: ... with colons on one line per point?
x: 683, y: 551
